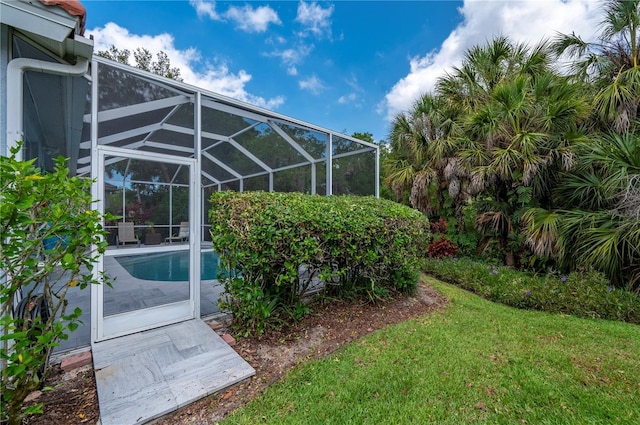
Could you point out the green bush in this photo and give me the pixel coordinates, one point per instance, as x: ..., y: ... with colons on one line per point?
x: 278, y: 246
x: 584, y: 294
x: 48, y: 231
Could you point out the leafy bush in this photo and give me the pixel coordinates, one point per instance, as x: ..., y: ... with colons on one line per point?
x: 439, y: 226
x: 441, y: 248
x: 48, y: 229
x: 276, y: 247
x: 584, y: 294
x: 460, y: 229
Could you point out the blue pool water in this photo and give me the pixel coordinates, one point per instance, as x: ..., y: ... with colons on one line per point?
x: 168, y: 266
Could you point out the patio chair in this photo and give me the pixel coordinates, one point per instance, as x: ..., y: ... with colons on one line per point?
x: 182, y: 236
x: 126, y: 234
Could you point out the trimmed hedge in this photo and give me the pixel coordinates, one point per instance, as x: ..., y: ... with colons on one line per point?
x: 275, y: 247
x: 583, y: 294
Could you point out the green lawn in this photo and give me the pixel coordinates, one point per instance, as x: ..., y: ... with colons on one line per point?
x: 473, y: 361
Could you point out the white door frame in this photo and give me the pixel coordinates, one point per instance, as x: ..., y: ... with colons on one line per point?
x: 102, y: 327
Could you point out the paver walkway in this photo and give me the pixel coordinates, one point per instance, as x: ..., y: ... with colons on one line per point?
x: 143, y: 376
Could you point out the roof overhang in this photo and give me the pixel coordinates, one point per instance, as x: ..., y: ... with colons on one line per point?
x: 49, y: 26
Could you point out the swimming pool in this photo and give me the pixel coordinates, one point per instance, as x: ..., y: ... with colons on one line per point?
x: 168, y: 266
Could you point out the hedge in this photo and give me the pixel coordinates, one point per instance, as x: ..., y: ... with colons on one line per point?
x: 276, y: 247
x: 582, y: 294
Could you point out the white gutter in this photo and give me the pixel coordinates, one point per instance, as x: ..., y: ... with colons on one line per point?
x: 15, y: 93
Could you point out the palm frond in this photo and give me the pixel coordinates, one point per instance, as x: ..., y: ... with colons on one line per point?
x: 571, y: 45
x: 541, y: 229
x: 504, y: 163
x: 494, y: 221
x: 399, y: 173
x: 583, y: 190
x: 620, y: 16
x: 609, y: 99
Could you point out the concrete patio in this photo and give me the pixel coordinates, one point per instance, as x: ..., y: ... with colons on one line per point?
x: 143, y: 376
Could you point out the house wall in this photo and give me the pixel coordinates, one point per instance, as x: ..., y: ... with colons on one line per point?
x: 4, y: 61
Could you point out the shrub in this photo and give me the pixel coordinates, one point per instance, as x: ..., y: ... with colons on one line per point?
x: 584, y: 294
x: 439, y: 226
x: 48, y: 229
x: 441, y: 248
x: 278, y: 246
x: 460, y: 229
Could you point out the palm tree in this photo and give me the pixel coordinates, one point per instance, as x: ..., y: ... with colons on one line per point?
x: 484, y: 67
x: 518, y: 128
x: 499, y: 129
x: 421, y: 149
x: 597, y: 223
x: 610, y: 63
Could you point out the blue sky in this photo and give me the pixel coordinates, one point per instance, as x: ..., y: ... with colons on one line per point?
x: 345, y: 65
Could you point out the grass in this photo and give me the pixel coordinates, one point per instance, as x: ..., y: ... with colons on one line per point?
x: 473, y: 361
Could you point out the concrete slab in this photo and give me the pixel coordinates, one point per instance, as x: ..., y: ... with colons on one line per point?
x: 143, y: 376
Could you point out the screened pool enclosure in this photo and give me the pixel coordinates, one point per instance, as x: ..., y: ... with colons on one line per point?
x: 239, y: 147
x: 157, y: 149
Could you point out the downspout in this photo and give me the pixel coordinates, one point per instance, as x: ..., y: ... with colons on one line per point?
x: 15, y: 103
x: 15, y: 93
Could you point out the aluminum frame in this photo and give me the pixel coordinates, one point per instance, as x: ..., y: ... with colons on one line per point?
x: 186, y: 94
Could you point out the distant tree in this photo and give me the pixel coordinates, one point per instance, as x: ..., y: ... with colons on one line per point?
x: 384, y: 154
x: 367, y: 137
x: 144, y: 60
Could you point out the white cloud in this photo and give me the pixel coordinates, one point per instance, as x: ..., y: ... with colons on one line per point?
x: 292, y: 57
x: 314, y: 18
x: 316, y: 21
x: 527, y: 21
x: 352, y: 82
x: 253, y: 20
x: 214, y: 76
x: 313, y: 84
x: 205, y: 8
x: 275, y: 40
x: 348, y: 98
x: 352, y: 97
x: 246, y: 18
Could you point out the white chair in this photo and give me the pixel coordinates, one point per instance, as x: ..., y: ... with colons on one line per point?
x: 182, y: 236
x: 126, y: 234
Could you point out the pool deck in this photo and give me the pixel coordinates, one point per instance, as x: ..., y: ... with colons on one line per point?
x: 143, y: 376
x: 121, y: 301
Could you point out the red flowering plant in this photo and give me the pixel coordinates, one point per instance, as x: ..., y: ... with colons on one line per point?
x: 441, y: 248
x: 139, y: 213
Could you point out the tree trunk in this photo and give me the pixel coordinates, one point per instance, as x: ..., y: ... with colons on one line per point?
x: 509, y: 258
